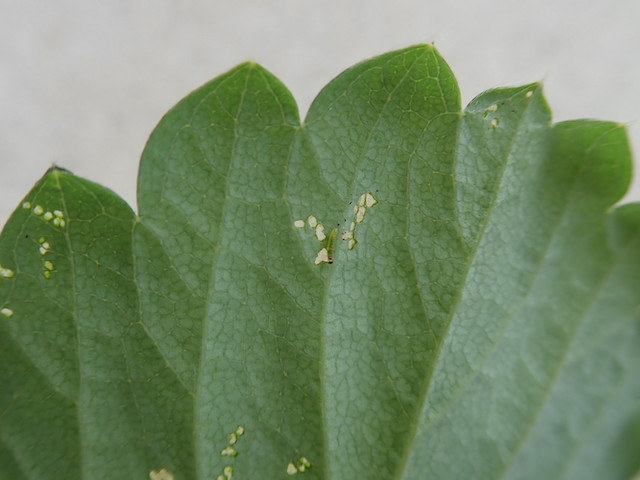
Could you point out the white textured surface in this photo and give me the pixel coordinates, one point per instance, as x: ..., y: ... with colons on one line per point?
x: 83, y: 83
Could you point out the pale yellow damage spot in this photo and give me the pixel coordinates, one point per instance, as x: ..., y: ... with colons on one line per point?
x: 234, y: 436
x: 56, y: 217
x: 7, y: 312
x: 322, y: 257
x: 44, y: 246
x: 299, y: 224
x: 369, y: 200
x: 58, y: 220
x: 163, y: 474
x: 6, y: 272
x: 303, y: 465
x: 351, y: 241
x: 364, y: 203
x: 529, y: 94
x: 229, y: 451
x: 312, y: 221
x: 227, y: 472
x: 320, y: 235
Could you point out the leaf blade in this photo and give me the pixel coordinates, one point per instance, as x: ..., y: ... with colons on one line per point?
x: 492, y: 287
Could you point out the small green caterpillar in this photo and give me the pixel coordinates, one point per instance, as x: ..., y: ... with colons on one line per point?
x: 325, y: 255
x: 331, y: 244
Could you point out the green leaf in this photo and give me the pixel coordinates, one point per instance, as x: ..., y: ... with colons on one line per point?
x: 476, y: 314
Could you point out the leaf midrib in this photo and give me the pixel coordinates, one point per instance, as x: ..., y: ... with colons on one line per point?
x: 572, y: 338
x: 211, y: 282
x: 327, y: 282
x: 412, y: 435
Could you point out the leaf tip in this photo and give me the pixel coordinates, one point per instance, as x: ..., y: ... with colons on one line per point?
x: 56, y: 170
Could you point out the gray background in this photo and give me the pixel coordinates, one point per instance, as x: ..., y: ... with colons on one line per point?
x: 83, y: 83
